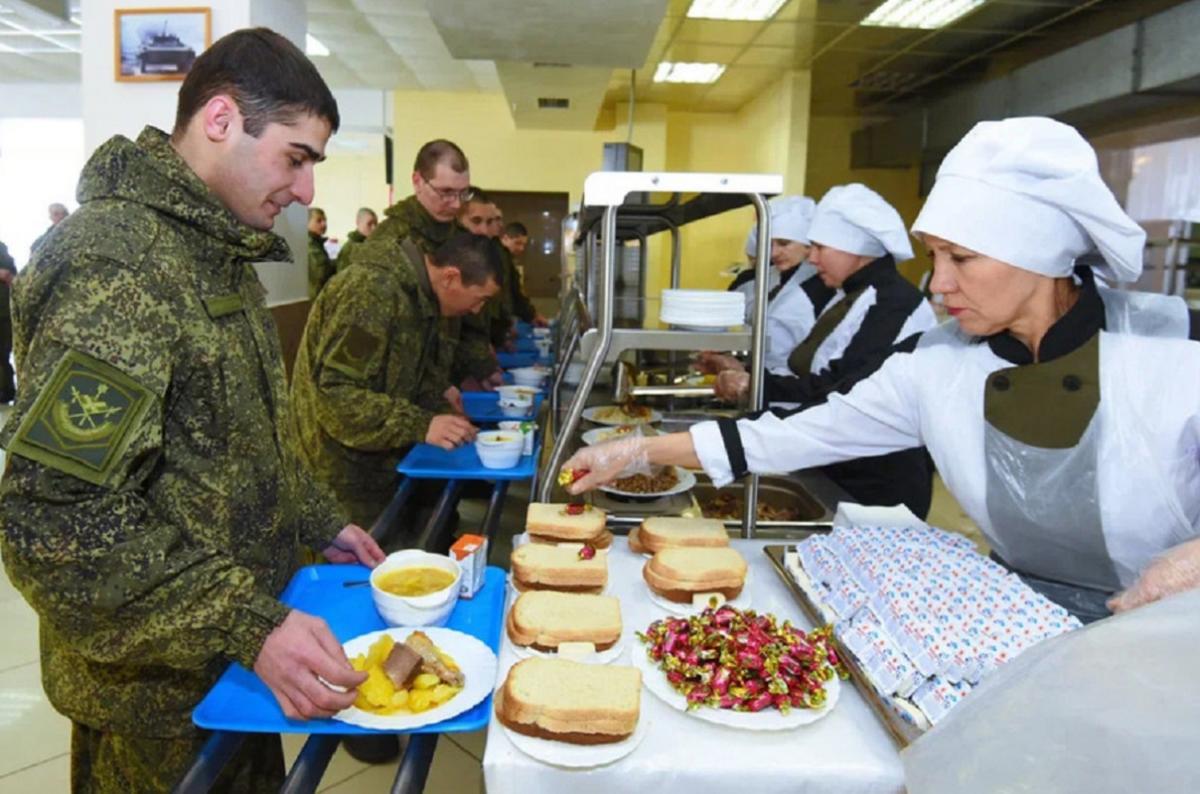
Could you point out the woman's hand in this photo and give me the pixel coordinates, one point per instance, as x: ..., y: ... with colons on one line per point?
x: 710, y: 363
x: 600, y: 464
x: 1174, y: 571
x: 731, y: 386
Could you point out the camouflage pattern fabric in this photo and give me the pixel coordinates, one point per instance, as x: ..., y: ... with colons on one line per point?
x: 374, y: 361
x: 152, y: 507
x: 320, y: 268
x: 107, y: 763
x: 353, y: 239
x: 408, y: 220
x: 522, y: 307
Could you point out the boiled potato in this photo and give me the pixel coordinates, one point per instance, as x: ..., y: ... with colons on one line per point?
x: 378, y: 695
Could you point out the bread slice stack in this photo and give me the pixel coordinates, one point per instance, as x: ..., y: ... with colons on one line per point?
x: 678, y: 574
x: 570, y: 702
x: 663, y: 532
x: 559, y: 523
x: 538, y: 566
x: 544, y: 619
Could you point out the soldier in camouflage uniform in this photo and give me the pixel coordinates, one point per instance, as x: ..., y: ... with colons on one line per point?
x: 373, y: 374
x: 365, y: 221
x: 8, y: 272
x: 151, y: 509
x: 320, y: 267
x: 480, y: 216
x: 515, y: 238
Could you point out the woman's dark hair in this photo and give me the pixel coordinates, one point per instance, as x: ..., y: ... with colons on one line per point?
x: 474, y: 255
x: 269, y: 78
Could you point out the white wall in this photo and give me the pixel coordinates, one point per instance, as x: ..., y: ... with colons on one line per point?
x: 1166, y: 181
x: 41, y: 101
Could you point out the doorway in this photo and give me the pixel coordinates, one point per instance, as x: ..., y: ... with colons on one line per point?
x: 541, y: 265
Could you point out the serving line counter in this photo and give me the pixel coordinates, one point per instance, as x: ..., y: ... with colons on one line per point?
x: 847, y: 751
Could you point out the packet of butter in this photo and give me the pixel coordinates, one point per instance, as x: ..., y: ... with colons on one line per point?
x: 471, y: 553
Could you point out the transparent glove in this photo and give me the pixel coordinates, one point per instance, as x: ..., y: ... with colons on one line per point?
x: 600, y: 464
x: 1174, y: 571
x: 732, y: 386
x: 710, y: 363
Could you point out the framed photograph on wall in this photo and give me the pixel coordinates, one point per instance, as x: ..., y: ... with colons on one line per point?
x: 159, y: 43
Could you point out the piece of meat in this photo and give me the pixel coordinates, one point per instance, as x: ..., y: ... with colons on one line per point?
x: 402, y: 665
x: 420, y: 642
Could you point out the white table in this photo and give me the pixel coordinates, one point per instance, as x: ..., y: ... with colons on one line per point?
x: 847, y: 752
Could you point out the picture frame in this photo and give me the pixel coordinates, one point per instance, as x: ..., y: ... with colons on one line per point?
x: 156, y: 44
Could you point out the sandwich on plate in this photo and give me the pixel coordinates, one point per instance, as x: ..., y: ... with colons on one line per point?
x: 567, y: 523
x: 664, y: 532
x: 537, y: 566
x: 570, y: 702
x: 544, y: 620
x: 682, y: 573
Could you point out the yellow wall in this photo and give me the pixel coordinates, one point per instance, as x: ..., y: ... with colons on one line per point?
x: 829, y: 165
x: 345, y: 182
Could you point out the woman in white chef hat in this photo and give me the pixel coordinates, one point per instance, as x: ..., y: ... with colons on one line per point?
x: 790, y: 217
x: 1065, y: 418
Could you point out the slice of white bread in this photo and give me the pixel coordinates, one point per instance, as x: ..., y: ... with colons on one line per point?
x: 678, y: 573
x: 543, y: 619
x: 662, y: 532
x: 570, y: 702
x: 602, y: 541
x: 552, y: 522
x: 539, y: 566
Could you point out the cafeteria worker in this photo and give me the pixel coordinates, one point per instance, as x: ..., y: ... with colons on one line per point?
x: 1063, y: 415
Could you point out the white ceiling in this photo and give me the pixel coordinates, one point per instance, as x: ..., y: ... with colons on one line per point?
x: 36, y: 46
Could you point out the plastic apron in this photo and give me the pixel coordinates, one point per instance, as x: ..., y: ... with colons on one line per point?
x: 1041, y: 443
x: 790, y: 318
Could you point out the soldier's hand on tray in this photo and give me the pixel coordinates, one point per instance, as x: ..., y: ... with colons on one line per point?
x: 454, y: 397
x: 732, y: 385
x: 710, y: 363
x: 600, y: 464
x: 1174, y: 571
x: 449, y: 431
x: 299, y: 649
x: 354, y: 544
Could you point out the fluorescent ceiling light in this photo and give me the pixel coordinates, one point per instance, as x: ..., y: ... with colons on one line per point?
x: 751, y: 10
x: 923, y: 14
x: 688, y: 72
x: 314, y: 47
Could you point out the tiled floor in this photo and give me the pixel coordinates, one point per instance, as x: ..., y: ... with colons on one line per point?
x: 34, y: 740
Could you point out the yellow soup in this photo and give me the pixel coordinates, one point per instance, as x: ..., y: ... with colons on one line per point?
x: 415, y: 581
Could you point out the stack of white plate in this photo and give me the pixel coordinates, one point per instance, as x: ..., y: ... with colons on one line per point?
x: 702, y: 308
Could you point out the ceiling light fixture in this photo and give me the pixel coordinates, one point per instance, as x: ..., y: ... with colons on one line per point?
x: 921, y: 14
x: 314, y: 48
x: 744, y: 10
x: 668, y: 72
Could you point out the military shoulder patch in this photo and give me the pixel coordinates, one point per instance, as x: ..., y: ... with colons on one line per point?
x: 81, y: 418
x: 356, y: 353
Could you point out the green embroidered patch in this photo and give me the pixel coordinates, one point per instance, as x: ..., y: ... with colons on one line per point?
x: 222, y: 305
x: 81, y: 418
x: 355, y: 352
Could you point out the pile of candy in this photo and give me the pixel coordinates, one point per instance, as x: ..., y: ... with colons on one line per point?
x: 924, y: 614
x: 733, y: 659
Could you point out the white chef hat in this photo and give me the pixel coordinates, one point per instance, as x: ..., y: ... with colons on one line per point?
x: 790, y: 218
x: 1027, y: 191
x: 856, y: 219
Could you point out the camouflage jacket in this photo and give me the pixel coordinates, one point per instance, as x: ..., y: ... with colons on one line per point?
x: 6, y: 263
x: 320, y: 268
x: 151, y: 508
x: 519, y: 302
x: 374, y: 362
x: 407, y: 219
x: 353, y: 240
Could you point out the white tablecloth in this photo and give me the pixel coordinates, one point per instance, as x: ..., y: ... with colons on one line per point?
x: 847, y: 752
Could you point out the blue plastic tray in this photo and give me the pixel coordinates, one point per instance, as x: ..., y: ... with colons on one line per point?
x: 525, y: 344
x: 241, y: 702
x: 484, y: 406
x: 427, y: 462
x: 515, y: 360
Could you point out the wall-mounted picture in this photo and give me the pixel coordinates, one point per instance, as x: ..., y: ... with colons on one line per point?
x: 159, y: 43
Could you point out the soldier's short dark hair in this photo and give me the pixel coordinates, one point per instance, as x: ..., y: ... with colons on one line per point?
x: 364, y: 212
x: 474, y: 255
x: 269, y: 78
x: 315, y: 212
x: 478, y: 196
x: 515, y: 229
x: 440, y: 151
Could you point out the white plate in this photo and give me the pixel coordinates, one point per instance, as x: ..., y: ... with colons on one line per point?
x: 577, y: 756
x: 598, y: 435
x: 599, y: 657
x: 686, y: 610
x: 686, y: 481
x: 475, y: 659
x: 590, y: 415
x: 769, y: 719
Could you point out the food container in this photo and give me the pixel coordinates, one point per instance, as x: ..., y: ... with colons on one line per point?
x: 427, y: 610
x: 499, y: 449
x: 543, y: 347
x: 526, y: 429
x: 516, y: 407
x: 530, y: 376
x: 471, y: 553
x: 541, y: 333
x: 511, y: 392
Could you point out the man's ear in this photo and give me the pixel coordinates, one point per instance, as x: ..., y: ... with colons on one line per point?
x: 221, y: 118
x: 416, y: 180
